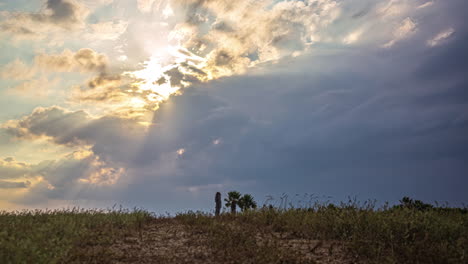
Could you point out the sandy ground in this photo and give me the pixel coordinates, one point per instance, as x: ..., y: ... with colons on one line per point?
x: 172, y: 242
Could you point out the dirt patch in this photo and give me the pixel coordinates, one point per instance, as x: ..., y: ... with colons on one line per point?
x: 168, y: 241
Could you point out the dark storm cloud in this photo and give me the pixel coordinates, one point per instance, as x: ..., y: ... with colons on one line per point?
x: 393, y: 124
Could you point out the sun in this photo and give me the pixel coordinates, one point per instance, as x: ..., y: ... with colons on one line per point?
x: 155, y: 83
x: 149, y: 79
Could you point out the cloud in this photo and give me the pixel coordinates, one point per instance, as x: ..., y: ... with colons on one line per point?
x: 112, y: 137
x: 35, y: 76
x: 212, y: 39
x: 14, y: 185
x: 206, y: 42
x: 326, y: 129
x: 393, y: 8
x: 57, y: 15
x: 210, y: 32
x: 17, y: 70
x: 325, y: 122
x: 84, y: 60
x: 62, y: 179
x: 440, y: 37
x: 427, y: 4
x: 104, y: 176
x: 262, y: 34
x: 62, y: 20
x: 12, y: 169
x: 79, y: 167
x: 145, y: 6
x: 404, y: 30
x: 353, y: 37
x: 93, y: 4
x: 97, y: 161
x: 35, y: 88
x: 62, y: 12
x: 101, y: 89
x: 109, y: 92
x: 55, y: 122
x: 108, y: 30
x: 356, y: 129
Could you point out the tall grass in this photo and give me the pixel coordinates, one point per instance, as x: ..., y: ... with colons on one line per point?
x: 350, y: 233
x: 370, y: 234
x: 64, y: 236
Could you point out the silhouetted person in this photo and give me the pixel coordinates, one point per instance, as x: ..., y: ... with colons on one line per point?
x: 218, y: 203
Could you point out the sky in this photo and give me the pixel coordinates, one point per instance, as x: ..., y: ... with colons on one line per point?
x: 158, y: 104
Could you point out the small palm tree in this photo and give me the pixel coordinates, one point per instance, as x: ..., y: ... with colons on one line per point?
x: 247, y: 202
x: 232, y: 200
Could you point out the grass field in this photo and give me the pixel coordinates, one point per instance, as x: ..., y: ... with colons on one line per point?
x: 345, y: 233
x: 64, y: 236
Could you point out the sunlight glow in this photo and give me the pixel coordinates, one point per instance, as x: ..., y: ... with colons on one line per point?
x: 137, y: 102
x: 180, y: 152
x: 164, y: 75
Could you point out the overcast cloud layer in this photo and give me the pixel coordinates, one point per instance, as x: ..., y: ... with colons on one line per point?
x: 160, y: 104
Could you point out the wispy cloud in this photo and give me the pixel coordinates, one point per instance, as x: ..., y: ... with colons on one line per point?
x: 439, y: 38
x: 427, y: 4
x: 404, y: 30
x: 35, y: 88
x: 84, y: 60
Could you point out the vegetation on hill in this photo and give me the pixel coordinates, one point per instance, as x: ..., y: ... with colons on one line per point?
x: 64, y: 236
x: 411, y: 232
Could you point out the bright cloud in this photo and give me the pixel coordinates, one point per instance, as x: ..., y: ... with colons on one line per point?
x: 145, y: 6
x: 404, y: 30
x: 84, y: 60
x: 353, y: 37
x: 57, y: 15
x: 108, y: 30
x: 427, y: 4
x: 440, y: 37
